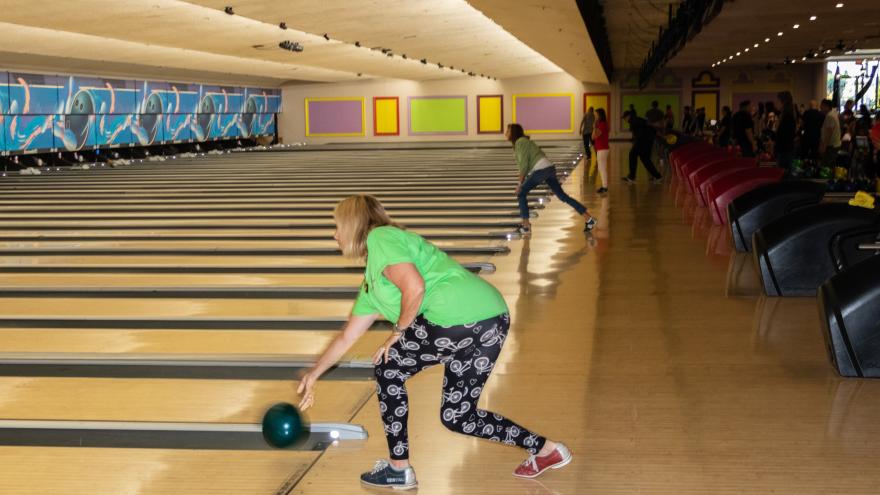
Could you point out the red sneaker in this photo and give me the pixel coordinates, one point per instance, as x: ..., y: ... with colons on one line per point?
x: 535, y: 465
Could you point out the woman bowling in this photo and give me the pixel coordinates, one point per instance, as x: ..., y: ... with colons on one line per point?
x: 442, y: 314
x: 534, y: 170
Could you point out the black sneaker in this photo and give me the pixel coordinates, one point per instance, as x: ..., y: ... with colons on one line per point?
x: 602, y: 190
x: 628, y: 180
x: 385, y: 476
x: 590, y: 225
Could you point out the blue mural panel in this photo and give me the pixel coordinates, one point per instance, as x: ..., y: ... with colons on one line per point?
x: 220, y: 99
x: 4, y: 93
x: 34, y: 94
x: 41, y: 112
x: 29, y: 133
x: 89, y: 95
x: 74, y: 132
x: 261, y: 100
x: 114, y: 130
x: 224, y: 125
x: 263, y: 124
x: 178, y: 128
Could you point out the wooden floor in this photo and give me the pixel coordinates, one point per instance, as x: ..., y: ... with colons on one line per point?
x: 645, y: 347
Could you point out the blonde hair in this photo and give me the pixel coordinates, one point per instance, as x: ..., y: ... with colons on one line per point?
x: 355, y: 217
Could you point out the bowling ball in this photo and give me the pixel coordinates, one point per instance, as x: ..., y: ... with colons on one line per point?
x: 79, y: 120
x: 825, y: 173
x: 671, y: 139
x: 284, y: 425
x: 840, y: 173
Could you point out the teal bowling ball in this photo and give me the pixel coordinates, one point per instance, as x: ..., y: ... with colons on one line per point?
x: 284, y: 426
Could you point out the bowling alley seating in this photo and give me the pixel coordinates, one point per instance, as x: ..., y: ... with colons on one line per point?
x: 766, y: 203
x: 849, y: 303
x: 727, y: 188
x: 701, y: 178
x: 799, y: 251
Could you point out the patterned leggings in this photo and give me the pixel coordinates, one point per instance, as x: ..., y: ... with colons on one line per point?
x: 468, y: 352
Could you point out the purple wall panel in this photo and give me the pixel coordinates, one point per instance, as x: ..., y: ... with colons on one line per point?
x: 336, y: 117
x: 536, y: 113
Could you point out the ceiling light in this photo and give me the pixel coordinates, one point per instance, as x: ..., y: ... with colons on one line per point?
x: 839, y: 6
x: 813, y: 18
x: 746, y: 50
x: 796, y: 26
x: 766, y: 40
x: 827, y: 51
x: 229, y: 10
x: 730, y: 57
x: 756, y: 45
x: 738, y: 54
x: 779, y: 33
x: 803, y: 58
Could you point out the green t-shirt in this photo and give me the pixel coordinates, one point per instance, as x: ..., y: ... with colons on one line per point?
x: 453, y: 295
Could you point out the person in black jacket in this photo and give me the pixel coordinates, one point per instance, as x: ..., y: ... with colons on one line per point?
x: 643, y: 140
x: 785, y: 132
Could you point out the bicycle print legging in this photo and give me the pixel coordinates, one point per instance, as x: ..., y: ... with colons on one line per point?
x: 468, y: 352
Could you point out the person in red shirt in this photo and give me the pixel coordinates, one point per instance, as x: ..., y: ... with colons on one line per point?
x: 600, y: 141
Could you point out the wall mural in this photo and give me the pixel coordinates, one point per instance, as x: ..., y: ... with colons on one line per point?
x: 41, y: 112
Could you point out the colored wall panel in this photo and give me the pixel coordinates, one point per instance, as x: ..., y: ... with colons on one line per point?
x: 642, y: 103
x: 707, y: 100
x: 335, y: 117
x: 544, y: 113
x: 441, y: 115
x: 490, y: 114
x: 598, y: 100
x: 386, y: 116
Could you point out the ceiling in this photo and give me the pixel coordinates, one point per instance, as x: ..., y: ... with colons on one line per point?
x: 743, y: 23
x: 632, y: 26
x: 155, y: 37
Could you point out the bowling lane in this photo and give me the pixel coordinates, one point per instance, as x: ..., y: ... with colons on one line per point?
x: 173, y: 307
x: 195, y: 260
x: 170, y: 400
x: 294, y: 343
x: 180, y: 280
x: 42, y: 470
x: 160, y: 243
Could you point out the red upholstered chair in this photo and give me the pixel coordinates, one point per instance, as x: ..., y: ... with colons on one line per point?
x: 724, y: 190
x: 699, y: 161
x: 702, y: 178
x: 686, y: 152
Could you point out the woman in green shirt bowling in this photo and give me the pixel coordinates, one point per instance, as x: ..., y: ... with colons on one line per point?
x: 442, y: 314
x: 534, y: 170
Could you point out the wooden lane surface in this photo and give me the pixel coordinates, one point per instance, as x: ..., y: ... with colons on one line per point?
x: 92, y: 471
x: 179, y: 260
x: 95, y: 307
x: 173, y: 341
x: 170, y: 400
